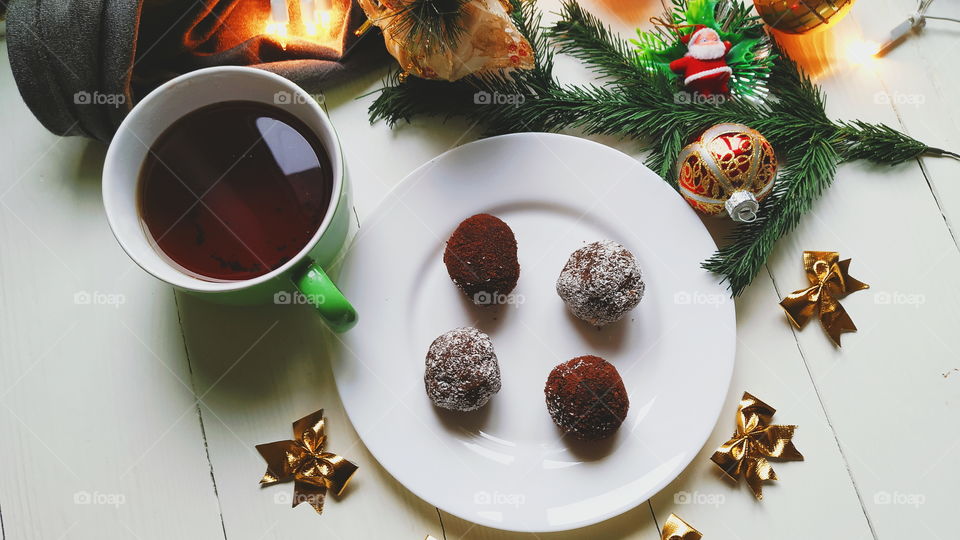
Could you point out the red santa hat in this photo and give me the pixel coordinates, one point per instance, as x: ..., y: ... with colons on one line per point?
x: 696, y: 30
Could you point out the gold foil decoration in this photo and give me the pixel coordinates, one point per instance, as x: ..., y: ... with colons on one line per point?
x: 678, y: 529
x: 490, y: 42
x: 829, y: 281
x: 755, y: 442
x: 303, y: 460
x: 800, y: 17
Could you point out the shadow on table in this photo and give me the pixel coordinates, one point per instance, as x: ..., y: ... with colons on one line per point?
x: 244, y: 358
x: 90, y: 168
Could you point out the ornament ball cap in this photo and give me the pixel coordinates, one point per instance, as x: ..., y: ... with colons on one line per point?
x: 742, y: 206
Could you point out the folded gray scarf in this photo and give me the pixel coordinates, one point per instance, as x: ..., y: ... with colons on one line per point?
x: 80, y: 65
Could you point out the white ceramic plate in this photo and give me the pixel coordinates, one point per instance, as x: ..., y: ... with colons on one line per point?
x: 507, y: 466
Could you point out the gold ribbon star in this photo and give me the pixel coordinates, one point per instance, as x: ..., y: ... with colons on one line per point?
x: 829, y: 281
x: 754, y: 443
x: 303, y: 460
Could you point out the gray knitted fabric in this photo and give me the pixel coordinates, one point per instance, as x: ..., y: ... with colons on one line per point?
x: 80, y: 65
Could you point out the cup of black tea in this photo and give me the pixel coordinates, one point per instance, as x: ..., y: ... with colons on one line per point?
x: 229, y: 183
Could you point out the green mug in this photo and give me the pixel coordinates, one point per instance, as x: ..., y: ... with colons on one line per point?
x: 302, y: 279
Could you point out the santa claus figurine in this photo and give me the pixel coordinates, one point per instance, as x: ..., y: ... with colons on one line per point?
x: 704, y: 68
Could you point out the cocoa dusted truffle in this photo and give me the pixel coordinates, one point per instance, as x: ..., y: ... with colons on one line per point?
x: 586, y: 397
x: 462, y: 371
x: 601, y: 282
x: 481, y: 258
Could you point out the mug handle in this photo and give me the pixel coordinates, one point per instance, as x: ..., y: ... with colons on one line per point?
x: 327, y: 298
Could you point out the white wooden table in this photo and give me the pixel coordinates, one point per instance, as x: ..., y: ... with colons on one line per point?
x: 133, y: 412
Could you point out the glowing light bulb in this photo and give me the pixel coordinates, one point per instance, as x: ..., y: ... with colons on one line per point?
x: 321, y: 26
x: 279, y: 17
x: 860, y: 52
x: 316, y: 16
x: 325, y: 17
x: 276, y: 28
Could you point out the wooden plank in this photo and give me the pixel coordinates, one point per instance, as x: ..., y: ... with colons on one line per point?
x: 919, y: 80
x: 887, y: 391
x: 100, y: 437
x: 769, y: 365
x: 256, y: 370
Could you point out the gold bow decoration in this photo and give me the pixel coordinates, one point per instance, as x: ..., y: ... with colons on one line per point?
x: 303, y: 460
x: 829, y: 281
x: 678, y: 529
x: 755, y: 442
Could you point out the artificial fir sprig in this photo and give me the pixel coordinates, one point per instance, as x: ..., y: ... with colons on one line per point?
x: 638, y: 102
x: 877, y: 143
x: 429, y: 25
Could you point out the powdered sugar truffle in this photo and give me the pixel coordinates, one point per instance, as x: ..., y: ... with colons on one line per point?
x: 601, y: 282
x: 462, y: 372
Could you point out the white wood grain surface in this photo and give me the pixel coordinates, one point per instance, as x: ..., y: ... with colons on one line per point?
x: 127, y: 411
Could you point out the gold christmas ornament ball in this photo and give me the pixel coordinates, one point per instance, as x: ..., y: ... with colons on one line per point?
x: 729, y: 169
x: 802, y: 16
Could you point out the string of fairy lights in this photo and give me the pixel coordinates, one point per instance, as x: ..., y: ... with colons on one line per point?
x: 912, y: 25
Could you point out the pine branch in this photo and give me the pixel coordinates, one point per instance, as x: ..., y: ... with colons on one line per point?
x: 582, y: 35
x: 644, y: 103
x: 419, y: 97
x: 811, y: 171
x: 429, y: 25
x: 875, y: 142
x: 734, y: 16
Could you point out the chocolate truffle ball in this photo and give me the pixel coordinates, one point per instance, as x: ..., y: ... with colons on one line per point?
x: 601, y: 282
x: 586, y: 398
x: 481, y: 258
x: 462, y: 371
